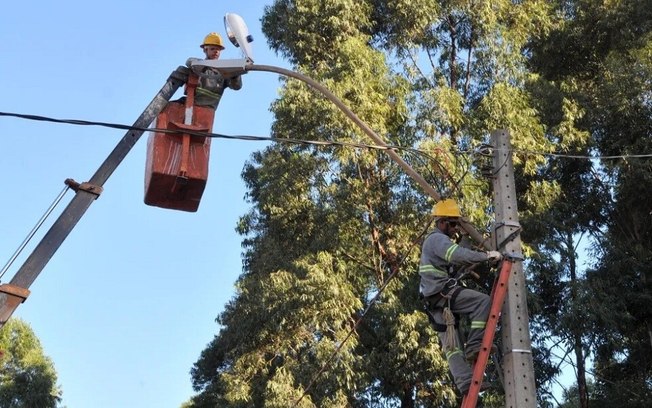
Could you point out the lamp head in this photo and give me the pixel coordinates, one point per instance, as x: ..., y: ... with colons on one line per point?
x: 238, y: 34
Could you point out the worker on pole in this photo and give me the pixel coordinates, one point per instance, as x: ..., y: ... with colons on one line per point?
x: 444, y: 299
x: 211, y: 82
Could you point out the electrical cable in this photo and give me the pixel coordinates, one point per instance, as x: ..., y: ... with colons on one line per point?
x: 211, y: 135
x: 309, y: 142
x: 576, y: 156
x: 391, y: 148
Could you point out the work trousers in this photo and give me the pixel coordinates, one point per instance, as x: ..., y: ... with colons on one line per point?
x: 476, y: 306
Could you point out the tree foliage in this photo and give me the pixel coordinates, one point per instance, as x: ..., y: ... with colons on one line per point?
x: 27, y: 376
x: 600, y: 57
x: 328, y: 226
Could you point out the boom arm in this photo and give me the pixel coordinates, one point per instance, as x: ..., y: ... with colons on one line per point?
x: 15, y: 292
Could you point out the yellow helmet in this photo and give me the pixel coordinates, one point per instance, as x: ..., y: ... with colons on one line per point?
x: 213, y: 39
x: 446, y: 208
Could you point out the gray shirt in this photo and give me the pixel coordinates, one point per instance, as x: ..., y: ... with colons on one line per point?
x: 438, y: 255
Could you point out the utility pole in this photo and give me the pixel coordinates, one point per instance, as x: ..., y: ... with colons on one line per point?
x: 518, y: 365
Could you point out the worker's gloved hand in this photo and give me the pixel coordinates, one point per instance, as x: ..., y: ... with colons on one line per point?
x: 494, y: 256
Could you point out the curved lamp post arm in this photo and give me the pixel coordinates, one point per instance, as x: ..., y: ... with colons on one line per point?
x: 365, y: 128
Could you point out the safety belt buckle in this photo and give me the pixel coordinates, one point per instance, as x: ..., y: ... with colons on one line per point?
x: 450, y: 283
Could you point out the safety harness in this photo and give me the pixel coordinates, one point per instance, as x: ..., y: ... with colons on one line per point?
x: 449, y: 293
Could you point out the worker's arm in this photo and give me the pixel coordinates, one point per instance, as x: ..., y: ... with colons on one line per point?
x: 453, y: 253
x: 190, y: 60
x: 234, y: 83
x: 459, y: 255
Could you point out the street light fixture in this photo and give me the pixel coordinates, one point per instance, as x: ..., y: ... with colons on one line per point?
x: 238, y: 34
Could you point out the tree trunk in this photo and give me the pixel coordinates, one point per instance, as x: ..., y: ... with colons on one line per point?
x: 582, y: 389
x: 407, y: 400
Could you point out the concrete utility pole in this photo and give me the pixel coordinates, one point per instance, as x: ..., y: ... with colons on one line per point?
x: 518, y: 365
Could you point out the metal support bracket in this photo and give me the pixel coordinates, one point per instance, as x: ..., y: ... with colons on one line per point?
x: 514, y: 224
x: 13, y: 296
x: 227, y: 67
x: 85, y: 186
x: 510, y: 237
x: 515, y: 256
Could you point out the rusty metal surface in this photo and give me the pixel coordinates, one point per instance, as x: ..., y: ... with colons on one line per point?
x: 10, y: 297
x: 88, y: 187
x: 176, y: 168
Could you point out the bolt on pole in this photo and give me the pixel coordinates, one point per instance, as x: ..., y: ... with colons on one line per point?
x: 518, y: 365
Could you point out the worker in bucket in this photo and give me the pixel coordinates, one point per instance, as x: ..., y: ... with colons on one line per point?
x: 444, y: 299
x: 211, y: 82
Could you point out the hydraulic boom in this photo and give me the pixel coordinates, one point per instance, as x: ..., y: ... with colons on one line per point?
x: 16, y: 291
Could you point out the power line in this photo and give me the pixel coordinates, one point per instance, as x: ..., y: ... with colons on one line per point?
x: 212, y: 135
x: 577, y: 156
x: 407, y: 150
x: 310, y: 142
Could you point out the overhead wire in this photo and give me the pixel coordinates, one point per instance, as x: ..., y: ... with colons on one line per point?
x: 453, y: 182
x: 211, y: 135
x: 434, y: 175
x: 309, y: 142
x: 466, y: 168
x: 584, y: 157
x: 408, y: 150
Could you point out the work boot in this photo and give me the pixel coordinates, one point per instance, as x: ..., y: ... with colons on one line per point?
x: 472, y: 355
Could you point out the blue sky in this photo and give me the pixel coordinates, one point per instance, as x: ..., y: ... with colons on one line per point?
x: 130, y: 299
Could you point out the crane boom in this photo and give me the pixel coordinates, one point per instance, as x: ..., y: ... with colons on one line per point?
x: 17, y: 290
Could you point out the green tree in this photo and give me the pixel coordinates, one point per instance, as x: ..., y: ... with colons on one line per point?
x: 572, y: 398
x: 27, y: 376
x: 601, y: 55
x: 329, y: 225
x: 622, y: 278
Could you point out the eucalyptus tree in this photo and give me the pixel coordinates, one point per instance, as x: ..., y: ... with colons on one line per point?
x: 622, y: 279
x: 330, y: 225
x: 601, y: 58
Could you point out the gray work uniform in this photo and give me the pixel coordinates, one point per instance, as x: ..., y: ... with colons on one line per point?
x: 438, y: 256
x: 212, y: 84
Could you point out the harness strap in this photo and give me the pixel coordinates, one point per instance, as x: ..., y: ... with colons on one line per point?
x: 431, y: 302
x: 441, y: 328
x: 455, y: 293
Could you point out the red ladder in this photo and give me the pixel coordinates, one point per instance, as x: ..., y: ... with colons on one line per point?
x: 498, y: 293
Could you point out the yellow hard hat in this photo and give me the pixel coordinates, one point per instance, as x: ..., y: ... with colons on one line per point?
x: 446, y: 208
x: 213, y: 39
